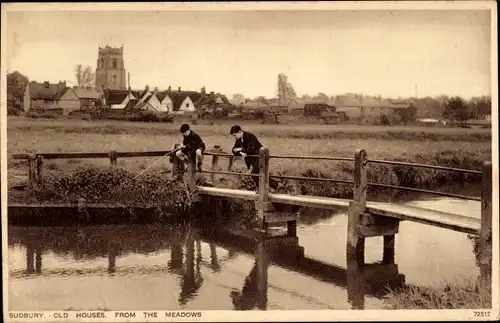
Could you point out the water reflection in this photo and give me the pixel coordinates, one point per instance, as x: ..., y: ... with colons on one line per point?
x: 80, y: 252
x: 33, y: 259
x: 254, y: 291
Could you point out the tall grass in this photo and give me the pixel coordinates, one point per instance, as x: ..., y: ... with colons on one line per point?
x: 464, y: 295
x: 110, y: 186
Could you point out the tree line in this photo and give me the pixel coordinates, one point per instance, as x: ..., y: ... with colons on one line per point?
x: 452, y: 108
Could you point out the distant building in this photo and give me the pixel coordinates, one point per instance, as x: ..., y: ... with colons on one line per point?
x: 77, y: 98
x: 119, y: 99
x: 367, y: 107
x: 110, y: 73
x: 44, y: 96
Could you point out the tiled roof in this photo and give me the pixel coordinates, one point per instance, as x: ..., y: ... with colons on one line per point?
x: 161, y: 95
x: 46, y: 90
x: 115, y: 96
x: 177, y: 99
x: 85, y: 93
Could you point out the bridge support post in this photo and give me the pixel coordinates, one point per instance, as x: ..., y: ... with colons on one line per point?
x: 263, y: 204
x: 389, y: 244
x: 191, y: 178
x: 485, y: 235
x: 355, y: 241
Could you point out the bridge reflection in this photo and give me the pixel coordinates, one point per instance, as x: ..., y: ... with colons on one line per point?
x: 187, y: 259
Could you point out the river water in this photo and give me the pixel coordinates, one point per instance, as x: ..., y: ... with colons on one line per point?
x: 124, y: 267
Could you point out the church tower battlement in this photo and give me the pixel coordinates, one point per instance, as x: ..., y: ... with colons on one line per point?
x: 110, y: 72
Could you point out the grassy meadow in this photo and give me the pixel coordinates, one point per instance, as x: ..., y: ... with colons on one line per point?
x: 455, y: 147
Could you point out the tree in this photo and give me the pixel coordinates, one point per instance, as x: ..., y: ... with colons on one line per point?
x: 286, y: 93
x: 17, y: 82
x: 262, y: 100
x: 84, y: 76
x: 407, y: 114
x: 306, y: 97
x: 480, y: 107
x: 321, y: 97
x: 455, y: 109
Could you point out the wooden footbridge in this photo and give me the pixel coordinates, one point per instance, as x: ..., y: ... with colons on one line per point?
x: 365, y: 218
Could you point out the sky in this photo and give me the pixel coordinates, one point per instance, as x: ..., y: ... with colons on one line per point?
x: 388, y: 53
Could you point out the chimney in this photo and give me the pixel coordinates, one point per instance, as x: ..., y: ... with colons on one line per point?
x: 147, y: 87
x: 46, y: 84
x: 169, y: 88
x: 203, y: 90
x: 179, y: 88
x: 155, y: 90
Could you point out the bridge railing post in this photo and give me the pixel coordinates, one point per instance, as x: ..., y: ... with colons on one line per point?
x: 355, y: 242
x: 231, y: 162
x: 263, y: 201
x: 39, y: 170
x: 31, y: 169
x: 113, y: 158
x: 485, y: 235
x: 215, y: 162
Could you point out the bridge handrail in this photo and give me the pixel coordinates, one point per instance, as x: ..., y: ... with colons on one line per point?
x: 160, y: 153
x: 377, y: 161
x: 157, y: 153
x: 452, y: 169
x: 227, y: 173
x: 312, y: 157
x: 317, y: 179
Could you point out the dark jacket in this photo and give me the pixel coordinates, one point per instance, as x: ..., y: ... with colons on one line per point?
x: 250, y: 144
x: 193, y: 141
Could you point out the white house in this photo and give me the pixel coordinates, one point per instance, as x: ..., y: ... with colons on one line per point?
x: 166, y: 104
x: 187, y: 105
x: 151, y: 103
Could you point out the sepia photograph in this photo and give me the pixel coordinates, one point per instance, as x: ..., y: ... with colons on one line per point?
x: 249, y: 161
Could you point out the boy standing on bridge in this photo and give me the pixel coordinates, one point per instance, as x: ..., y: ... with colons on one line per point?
x: 192, y: 146
x: 246, y: 144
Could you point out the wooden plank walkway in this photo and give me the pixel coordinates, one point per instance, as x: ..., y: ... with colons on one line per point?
x: 447, y: 220
x: 450, y: 221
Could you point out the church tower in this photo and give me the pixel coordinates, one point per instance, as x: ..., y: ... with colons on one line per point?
x: 110, y: 71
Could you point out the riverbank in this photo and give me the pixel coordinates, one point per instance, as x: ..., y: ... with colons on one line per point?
x: 462, y: 295
x: 94, y: 186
